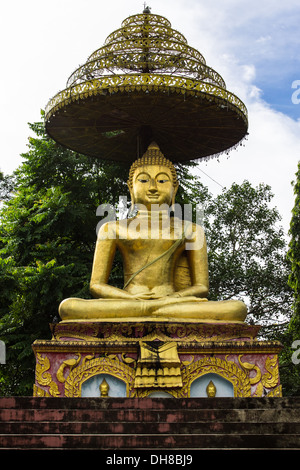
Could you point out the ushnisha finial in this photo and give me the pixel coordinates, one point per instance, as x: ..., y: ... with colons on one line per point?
x: 146, y: 9
x: 211, y: 390
x: 104, y: 388
x: 152, y: 156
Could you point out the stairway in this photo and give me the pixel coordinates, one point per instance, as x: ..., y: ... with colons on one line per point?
x: 149, y: 423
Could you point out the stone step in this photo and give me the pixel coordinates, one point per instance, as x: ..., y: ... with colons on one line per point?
x: 150, y: 441
x: 148, y: 416
x: 86, y: 427
x: 149, y: 403
x: 149, y: 424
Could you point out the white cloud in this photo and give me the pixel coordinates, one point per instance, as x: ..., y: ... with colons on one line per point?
x: 264, y: 39
x: 272, y: 150
x: 45, y: 42
x: 270, y: 156
x: 249, y: 72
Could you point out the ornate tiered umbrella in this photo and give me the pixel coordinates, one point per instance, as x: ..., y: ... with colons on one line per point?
x: 146, y: 83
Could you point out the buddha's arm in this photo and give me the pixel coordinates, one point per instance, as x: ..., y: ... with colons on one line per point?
x: 196, y: 249
x: 103, y: 259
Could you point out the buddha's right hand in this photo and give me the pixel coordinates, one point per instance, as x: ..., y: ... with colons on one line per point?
x: 145, y: 296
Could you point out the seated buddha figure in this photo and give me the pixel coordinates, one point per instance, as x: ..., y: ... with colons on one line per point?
x: 164, y: 259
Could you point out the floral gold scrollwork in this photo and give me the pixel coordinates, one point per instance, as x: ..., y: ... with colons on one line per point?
x: 271, y: 377
x: 116, y: 83
x: 99, y: 365
x: 246, y: 365
x: 142, y: 393
x: 188, y: 362
x: 77, y: 331
x: 128, y: 360
x: 226, y: 369
x: 269, y: 380
x: 71, y: 363
x: 186, y: 332
x: 43, y: 377
x: 39, y: 392
x: 276, y: 392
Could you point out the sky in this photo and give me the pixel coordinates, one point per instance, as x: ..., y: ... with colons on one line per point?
x: 255, y: 46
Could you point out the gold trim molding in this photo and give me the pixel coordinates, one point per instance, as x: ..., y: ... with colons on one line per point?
x: 130, y: 83
x: 226, y: 369
x: 62, y: 366
x: 268, y: 380
x: 96, y: 366
x: 150, y: 331
x: 43, y: 377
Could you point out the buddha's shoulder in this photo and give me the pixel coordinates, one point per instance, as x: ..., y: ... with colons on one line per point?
x: 187, y: 226
x: 112, y: 227
x: 107, y: 229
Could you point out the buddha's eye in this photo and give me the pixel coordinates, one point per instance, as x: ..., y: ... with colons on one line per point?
x: 142, y: 180
x: 162, y: 181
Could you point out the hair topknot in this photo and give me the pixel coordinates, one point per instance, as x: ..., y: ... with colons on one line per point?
x: 153, y: 156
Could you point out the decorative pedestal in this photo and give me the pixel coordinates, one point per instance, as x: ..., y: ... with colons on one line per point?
x: 86, y: 359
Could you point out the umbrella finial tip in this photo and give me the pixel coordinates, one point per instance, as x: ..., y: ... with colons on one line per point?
x: 146, y: 8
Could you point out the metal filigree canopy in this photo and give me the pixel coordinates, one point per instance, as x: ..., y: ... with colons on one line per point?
x: 146, y: 83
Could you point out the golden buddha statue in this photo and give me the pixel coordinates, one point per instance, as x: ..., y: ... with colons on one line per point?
x: 164, y: 259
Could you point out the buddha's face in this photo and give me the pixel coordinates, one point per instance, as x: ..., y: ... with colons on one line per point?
x: 153, y: 184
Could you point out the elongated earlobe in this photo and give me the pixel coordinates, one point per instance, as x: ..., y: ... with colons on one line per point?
x: 132, y: 206
x: 174, y: 195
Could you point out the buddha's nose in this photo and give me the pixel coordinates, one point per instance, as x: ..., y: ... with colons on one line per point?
x: 153, y: 187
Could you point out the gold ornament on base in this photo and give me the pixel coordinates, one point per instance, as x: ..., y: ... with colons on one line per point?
x: 211, y: 390
x: 104, y: 388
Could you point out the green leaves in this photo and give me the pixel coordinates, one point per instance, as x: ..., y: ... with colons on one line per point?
x: 247, y: 252
x: 47, y: 239
x: 294, y: 246
x: 290, y: 369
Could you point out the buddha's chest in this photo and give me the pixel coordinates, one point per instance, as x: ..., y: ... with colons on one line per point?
x: 145, y: 247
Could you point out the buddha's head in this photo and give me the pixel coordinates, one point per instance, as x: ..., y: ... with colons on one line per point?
x: 152, y: 179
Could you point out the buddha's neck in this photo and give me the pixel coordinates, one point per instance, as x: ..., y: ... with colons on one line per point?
x: 161, y: 214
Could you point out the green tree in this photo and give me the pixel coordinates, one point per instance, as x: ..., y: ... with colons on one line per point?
x: 294, y: 252
x: 291, y: 337
x: 47, y: 237
x: 247, y: 254
x: 247, y: 260
x: 6, y: 187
